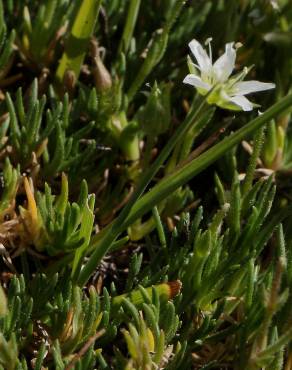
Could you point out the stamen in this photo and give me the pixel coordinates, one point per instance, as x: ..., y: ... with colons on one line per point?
x: 238, y: 45
x: 193, y: 67
x: 240, y: 76
x: 208, y: 42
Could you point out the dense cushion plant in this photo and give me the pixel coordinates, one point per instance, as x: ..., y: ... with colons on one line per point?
x: 145, y: 201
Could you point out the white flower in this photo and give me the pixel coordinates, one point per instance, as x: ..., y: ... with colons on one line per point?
x: 229, y: 91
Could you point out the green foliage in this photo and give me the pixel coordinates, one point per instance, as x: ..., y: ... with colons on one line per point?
x: 41, y: 31
x: 11, y: 178
x: 140, y: 227
x: 37, y: 136
x: 65, y: 226
x: 6, y: 45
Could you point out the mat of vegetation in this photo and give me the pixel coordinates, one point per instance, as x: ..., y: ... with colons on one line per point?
x: 145, y: 192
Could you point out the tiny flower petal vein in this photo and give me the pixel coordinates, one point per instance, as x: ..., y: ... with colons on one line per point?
x: 229, y: 91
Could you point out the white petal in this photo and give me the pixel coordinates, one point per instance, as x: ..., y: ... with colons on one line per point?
x: 201, y: 56
x: 197, y: 82
x: 242, y: 102
x: 247, y: 87
x: 224, y: 65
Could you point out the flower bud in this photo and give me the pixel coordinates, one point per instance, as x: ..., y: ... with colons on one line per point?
x: 154, y: 117
x: 102, y: 78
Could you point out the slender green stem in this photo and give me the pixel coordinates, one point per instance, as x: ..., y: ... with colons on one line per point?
x: 129, y: 26
x: 191, y: 119
x: 170, y: 183
x: 137, y: 208
x: 114, y: 229
x: 68, y: 258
